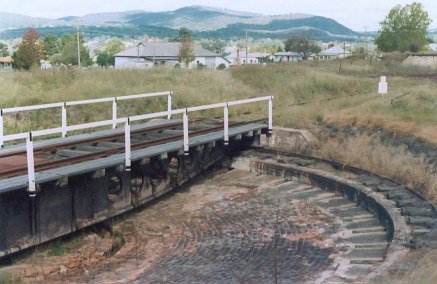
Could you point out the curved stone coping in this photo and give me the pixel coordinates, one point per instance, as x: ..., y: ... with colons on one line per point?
x: 386, y: 210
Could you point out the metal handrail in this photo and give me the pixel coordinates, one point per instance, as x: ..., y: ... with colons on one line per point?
x: 127, y: 121
x: 64, y: 105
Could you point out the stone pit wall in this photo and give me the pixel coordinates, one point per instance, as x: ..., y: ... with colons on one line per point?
x: 289, y: 138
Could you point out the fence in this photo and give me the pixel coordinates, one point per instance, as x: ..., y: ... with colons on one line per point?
x: 64, y: 129
x: 127, y: 121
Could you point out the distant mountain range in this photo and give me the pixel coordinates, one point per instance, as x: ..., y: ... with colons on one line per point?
x: 203, y: 22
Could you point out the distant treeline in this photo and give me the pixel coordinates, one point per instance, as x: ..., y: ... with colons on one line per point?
x: 319, y: 28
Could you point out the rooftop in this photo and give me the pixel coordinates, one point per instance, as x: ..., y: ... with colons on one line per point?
x: 335, y: 50
x: 161, y: 49
x: 7, y: 59
x: 290, y: 53
x: 424, y: 54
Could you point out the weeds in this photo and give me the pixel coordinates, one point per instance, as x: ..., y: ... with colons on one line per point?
x: 325, y: 96
x: 368, y: 153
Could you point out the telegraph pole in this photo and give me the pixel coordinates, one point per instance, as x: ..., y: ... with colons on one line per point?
x: 78, y: 47
x: 365, y: 39
x: 246, y: 47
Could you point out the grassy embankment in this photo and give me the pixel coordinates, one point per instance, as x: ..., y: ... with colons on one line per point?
x: 345, y: 99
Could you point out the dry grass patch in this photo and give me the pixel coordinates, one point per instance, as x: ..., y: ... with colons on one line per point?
x: 368, y: 153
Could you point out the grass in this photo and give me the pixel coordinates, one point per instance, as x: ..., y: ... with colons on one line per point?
x: 367, y: 152
x: 5, y: 278
x: 307, y: 95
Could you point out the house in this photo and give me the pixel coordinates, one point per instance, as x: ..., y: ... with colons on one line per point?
x: 287, y: 57
x: 433, y: 46
x: 422, y: 59
x: 335, y: 52
x: 45, y: 65
x: 149, y: 54
x: 238, y: 57
x: 6, y: 62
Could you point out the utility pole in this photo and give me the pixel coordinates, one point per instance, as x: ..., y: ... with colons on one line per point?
x: 246, y: 47
x: 344, y: 50
x: 78, y: 46
x: 365, y: 39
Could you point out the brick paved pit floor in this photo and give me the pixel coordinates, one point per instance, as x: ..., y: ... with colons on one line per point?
x: 231, y: 226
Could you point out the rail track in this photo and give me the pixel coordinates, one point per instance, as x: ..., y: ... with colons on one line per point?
x: 51, y: 157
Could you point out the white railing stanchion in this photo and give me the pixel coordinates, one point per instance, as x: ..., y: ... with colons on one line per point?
x: 114, y: 113
x: 127, y: 145
x: 226, y: 124
x: 30, y: 165
x: 186, y: 138
x: 169, y: 105
x: 1, y: 128
x: 270, y: 115
x: 64, y: 120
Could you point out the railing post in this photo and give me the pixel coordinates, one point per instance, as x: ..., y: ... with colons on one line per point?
x: 186, y: 138
x: 30, y: 165
x: 270, y: 115
x: 114, y: 113
x: 169, y: 105
x: 1, y: 128
x: 64, y: 120
x: 127, y: 145
x: 226, y: 124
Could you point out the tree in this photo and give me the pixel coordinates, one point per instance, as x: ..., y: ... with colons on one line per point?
x: 4, y: 51
x: 104, y: 59
x: 114, y: 46
x: 302, y: 44
x: 52, y: 45
x: 30, y: 51
x: 69, y: 51
x: 182, y: 32
x: 218, y: 46
x: 186, y: 49
x: 404, y: 29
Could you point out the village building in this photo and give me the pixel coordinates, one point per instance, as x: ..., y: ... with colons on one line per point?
x: 422, y: 59
x: 335, y: 52
x: 240, y: 58
x: 287, y: 57
x: 6, y: 62
x: 150, y: 54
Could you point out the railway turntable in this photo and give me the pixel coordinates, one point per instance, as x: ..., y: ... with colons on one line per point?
x: 52, y: 187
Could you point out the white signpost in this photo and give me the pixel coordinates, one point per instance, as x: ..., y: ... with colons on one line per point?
x: 382, y: 86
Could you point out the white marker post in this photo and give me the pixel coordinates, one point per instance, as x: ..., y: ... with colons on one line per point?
x: 169, y: 105
x: 382, y: 86
x: 271, y: 115
x: 186, y: 139
x: 30, y: 165
x: 127, y: 145
x: 1, y: 128
x: 64, y: 120
x: 226, y: 124
x: 114, y: 113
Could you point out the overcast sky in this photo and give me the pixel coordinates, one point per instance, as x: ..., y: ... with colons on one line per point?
x: 355, y: 14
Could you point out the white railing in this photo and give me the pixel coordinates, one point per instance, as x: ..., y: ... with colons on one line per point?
x: 64, y: 129
x: 127, y: 121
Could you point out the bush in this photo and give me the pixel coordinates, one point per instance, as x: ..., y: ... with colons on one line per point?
x: 221, y: 67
